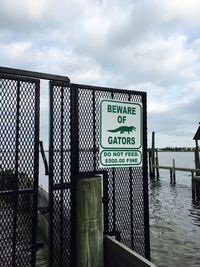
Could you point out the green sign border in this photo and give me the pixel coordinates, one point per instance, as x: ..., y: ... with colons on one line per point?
x: 120, y: 165
x: 121, y: 102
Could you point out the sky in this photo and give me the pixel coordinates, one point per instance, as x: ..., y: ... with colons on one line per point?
x: 145, y: 45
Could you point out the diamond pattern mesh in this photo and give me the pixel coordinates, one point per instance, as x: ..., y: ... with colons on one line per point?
x: 125, y: 187
x: 60, y: 175
x: 19, y: 137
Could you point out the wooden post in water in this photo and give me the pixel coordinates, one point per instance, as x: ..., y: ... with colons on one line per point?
x: 150, y: 163
x: 170, y: 176
x: 196, y: 180
x: 197, y: 190
x: 157, y: 163
x: 193, y: 186
x: 153, y: 156
x: 197, y: 161
x: 174, y: 173
x: 89, y: 229
x: 193, y: 189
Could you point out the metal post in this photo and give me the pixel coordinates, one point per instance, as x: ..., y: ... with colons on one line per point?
x: 145, y: 181
x: 15, y: 209
x: 89, y: 230
x: 75, y: 143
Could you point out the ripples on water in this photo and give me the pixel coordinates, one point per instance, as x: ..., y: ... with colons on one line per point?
x: 174, y: 220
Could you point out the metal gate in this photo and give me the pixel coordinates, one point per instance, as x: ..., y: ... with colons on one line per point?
x: 19, y: 137
x: 61, y: 174
x: 74, y: 150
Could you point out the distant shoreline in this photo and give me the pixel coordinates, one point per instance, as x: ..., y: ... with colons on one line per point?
x: 174, y: 149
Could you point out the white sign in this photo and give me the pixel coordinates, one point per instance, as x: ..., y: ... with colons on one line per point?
x: 120, y: 133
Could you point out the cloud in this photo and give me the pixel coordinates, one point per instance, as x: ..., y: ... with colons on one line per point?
x: 180, y: 123
x: 146, y: 45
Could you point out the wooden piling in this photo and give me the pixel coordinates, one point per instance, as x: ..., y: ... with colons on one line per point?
x: 150, y: 164
x: 157, y: 163
x: 197, y: 161
x: 193, y: 189
x: 170, y: 176
x: 153, y: 156
x: 89, y: 230
x: 174, y: 173
x: 196, y: 189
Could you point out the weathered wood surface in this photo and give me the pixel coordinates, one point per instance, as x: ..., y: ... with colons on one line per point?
x: 43, y: 216
x: 196, y: 178
x: 6, y: 232
x: 118, y: 255
x: 153, y: 161
x: 196, y: 155
x: 89, y: 229
x: 42, y: 253
x: 157, y: 163
x: 196, y: 189
x: 173, y: 172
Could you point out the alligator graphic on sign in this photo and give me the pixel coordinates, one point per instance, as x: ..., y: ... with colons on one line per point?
x: 123, y: 129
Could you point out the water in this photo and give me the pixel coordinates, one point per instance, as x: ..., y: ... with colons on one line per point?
x: 174, y: 220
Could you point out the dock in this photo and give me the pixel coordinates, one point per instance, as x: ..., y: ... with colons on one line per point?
x: 154, y: 168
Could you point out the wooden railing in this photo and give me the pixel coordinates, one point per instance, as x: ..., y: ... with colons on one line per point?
x: 176, y: 168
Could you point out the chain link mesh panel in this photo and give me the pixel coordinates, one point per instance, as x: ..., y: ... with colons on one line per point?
x: 60, y: 175
x: 125, y: 190
x: 19, y: 155
x: 74, y: 148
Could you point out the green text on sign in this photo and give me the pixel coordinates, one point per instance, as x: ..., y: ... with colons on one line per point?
x: 120, y: 131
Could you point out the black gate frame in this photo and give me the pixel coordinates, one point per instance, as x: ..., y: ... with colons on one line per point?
x: 77, y: 166
x: 110, y: 211
x: 18, y: 193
